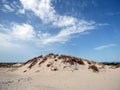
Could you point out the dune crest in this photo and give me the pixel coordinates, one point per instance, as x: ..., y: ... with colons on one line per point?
x: 55, y: 62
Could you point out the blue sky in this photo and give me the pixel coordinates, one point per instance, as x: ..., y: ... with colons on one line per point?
x: 84, y: 28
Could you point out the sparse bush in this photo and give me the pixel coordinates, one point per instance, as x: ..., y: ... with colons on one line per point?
x: 80, y: 62
x: 44, y: 59
x: 29, y: 61
x: 6, y: 65
x: 72, y: 60
x: 34, y: 61
x: 94, y: 68
x: 49, y: 64
x: 114, y: 66
x: 117, y: 66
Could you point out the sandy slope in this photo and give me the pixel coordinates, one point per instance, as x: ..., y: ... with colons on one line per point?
x: 60, y: 80
x: 54, y: 72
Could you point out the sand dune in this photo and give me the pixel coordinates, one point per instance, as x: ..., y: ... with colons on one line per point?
x: 60, y: 72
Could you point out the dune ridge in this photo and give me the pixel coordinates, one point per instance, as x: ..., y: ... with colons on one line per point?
x: 59, y: 72
x: 55, y: 62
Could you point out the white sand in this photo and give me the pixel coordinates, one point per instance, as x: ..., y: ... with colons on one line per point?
x: 69, y: 76
x: 82, y: 79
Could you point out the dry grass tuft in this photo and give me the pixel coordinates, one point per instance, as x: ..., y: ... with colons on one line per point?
x: 34, y: 61
x: 44, y: 59
x: 6, y: 65
x: 29, y: 61
x: 94, y: 68
x: 117, y: 66
x: 49, y: 64
x: 71, y: 60
x: 80, y: 61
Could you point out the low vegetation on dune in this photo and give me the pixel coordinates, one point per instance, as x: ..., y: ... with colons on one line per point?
x: 112, y: 64
x: 54, y: 62
x: 33, y: 63
x: 65, y: 59
x: 6, y: 65
x: 71, y: 60
x: 10, y: 65
x: 94, y: 68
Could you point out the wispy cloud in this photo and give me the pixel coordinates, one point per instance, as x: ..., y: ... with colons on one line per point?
x: 43, y: 9
x: 22, y: 31
x: 104, y: 46
x: 8, y: 8
x: 13, y: 7
x: 69, y: 25
x: 65, y: 34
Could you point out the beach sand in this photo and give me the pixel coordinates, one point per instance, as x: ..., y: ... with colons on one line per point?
x: 54, y: 72
x: 60, y: 80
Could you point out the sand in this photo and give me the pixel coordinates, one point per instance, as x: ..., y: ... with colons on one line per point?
x: 60, y: 80
x: 55, y: 72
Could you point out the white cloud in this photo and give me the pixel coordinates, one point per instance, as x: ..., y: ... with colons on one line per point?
x: 14, y: 7
x: 8, y: 8
x: 65, y: 34
x: 64, y: 21
x: 23, y: 32
x: 104, y: 46
x: 10, y: 37
x: 46, y: 12
x: 41, y: 8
